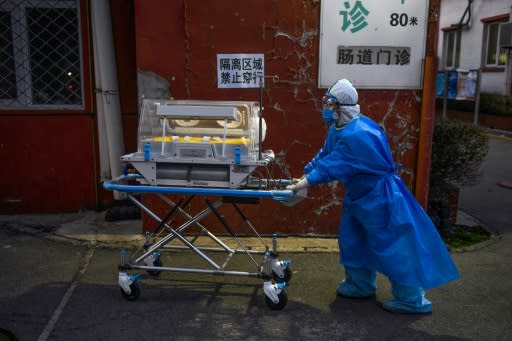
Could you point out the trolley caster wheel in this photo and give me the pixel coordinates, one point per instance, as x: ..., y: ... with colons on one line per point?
x: 286, y: 278
x: 156, y: 273
x: 134, y: 294
x: 283, y: 299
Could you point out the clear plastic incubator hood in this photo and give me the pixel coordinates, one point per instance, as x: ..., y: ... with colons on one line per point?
x: 199, y: 143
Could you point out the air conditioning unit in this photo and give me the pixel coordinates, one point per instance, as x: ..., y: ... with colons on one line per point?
x: 506, y: 35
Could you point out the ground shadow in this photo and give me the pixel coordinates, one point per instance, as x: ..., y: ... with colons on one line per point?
x: 197, y: 310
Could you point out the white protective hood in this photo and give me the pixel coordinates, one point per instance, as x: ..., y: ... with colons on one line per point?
x: 347, y: 95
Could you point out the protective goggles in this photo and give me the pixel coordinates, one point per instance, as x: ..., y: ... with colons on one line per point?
x: 329, y: 100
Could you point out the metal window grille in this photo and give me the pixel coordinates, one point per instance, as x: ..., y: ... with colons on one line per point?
x: 40, y: 54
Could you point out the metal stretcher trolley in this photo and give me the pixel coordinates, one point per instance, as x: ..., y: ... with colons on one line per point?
x: 202, y: 149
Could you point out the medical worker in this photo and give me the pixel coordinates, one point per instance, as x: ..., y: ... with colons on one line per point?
x: 383, y: 228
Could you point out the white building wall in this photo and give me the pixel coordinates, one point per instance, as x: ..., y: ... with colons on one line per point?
x: 472, y: 38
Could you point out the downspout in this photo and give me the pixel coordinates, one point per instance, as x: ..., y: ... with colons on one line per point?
x: 508, y: 68
x: 110, y: 127
x: 428, y: 106
x: 426, y: 131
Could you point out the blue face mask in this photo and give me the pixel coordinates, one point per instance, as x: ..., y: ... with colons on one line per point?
x: 328, y: 116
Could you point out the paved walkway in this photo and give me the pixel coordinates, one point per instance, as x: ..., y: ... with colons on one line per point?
x: 64, y: 287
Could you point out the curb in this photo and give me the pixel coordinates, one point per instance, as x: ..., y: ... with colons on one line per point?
x: 86, y: 230
x: 505, y: 184
x: 284, y: 243
x: 503, y: 134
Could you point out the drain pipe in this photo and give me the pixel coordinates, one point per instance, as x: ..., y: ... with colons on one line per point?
x: 110, y: 126
x: 426, y: 131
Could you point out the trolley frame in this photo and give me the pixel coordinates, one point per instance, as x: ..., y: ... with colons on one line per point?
x: 274, y: 272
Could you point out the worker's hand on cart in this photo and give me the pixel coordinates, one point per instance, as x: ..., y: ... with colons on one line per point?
x: 298, y: 184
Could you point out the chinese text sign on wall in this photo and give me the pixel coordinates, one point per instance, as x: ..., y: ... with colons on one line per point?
x: 375, y: 44
x: 240, y: 70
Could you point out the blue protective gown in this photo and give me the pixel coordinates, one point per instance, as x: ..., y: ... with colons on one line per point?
x: 383, y: 226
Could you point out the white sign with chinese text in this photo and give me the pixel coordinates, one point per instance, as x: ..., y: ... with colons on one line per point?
x: 240, y: 70
x: 375, y: 44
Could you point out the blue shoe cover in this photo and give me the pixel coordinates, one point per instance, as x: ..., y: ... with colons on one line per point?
x: 358, y: 283
x: 408, y: 300
x: 395, y: 306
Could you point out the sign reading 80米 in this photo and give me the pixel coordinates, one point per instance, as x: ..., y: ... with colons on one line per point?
x: 376, y: 44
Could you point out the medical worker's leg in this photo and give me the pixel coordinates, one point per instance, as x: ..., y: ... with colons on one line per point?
x: 409, y: 300
x: 358, y: 283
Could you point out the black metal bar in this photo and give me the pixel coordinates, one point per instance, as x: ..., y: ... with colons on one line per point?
x: 239, y: 211
x: 166, y: 219
x: 261, y: 119
x: 221, y: 218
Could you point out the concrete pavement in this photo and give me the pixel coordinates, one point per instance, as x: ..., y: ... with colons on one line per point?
x: 488, y: 199
x: 59, y: 282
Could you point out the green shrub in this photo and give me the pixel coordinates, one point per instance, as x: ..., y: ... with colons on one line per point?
x: 460, y: 236
x: 458, y: 150
x: 496, y: 104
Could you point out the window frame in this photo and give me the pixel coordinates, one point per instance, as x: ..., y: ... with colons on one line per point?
x: 453, y: 51
x: 23, y: 102
x: 488, y: 23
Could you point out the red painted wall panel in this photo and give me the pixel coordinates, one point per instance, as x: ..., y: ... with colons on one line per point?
x: 46, y: 164
x: 48, y: 156
x: 161, y: 40
x: 123, y: 29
